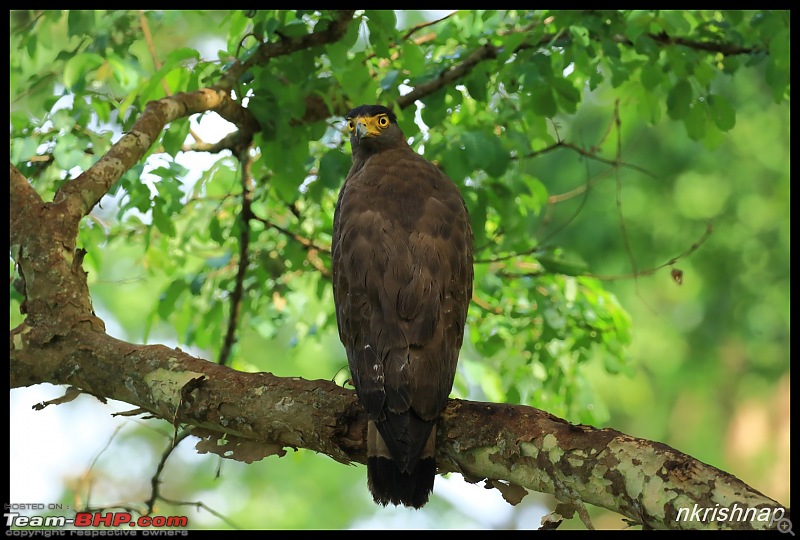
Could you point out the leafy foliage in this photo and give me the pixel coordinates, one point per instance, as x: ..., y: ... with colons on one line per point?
x: 542, y: 324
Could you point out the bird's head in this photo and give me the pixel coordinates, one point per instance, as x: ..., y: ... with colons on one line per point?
x: 373, y: 128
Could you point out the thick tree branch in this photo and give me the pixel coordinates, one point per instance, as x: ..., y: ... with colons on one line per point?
x: 22, y: 193
x: 647, y: 482
x: 79, y: 195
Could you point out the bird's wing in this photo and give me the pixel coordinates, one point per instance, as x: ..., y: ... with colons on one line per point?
x: 403, y: 278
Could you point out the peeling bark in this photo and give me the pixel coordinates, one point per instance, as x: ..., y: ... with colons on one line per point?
x: 648, y: 482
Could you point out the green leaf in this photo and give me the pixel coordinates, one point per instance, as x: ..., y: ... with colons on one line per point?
x: 381, y: 25
x: 434, y: 112
x: 31, y: 45
x: 357, y: 83
x: 290, y: 171
x: 383, y: 18
x: 567, y: 267
x: 620, y: 71
x: 476, y: 85
x: 337, y: 54
x: 196, y: 285
x: 730, y: 64
x: 542, y: 101
x: 704, y: 73
x: 81, y: 22
x: 389, y: 80
x: 651, y: 75
x: 236, y: 30
x: 510, y: 44
x: 152, y: 88
x: 490, y: 346
x: 333, y: 168
x: 161, y: 219
x: 215, y: 230
x: 222, y: 261
x: 23, y: 149
x: 413, y: 58
x: 778, y: 80
x: 679, y: 99
x: 77, y: 69
x: 649, y: 106
x: 637, y: 24
x: 673, y: 21
x: 568, y: 95
x: 67, y: 152
x: 695, y: 120
x: 537, y: 194
x: 175, y: 136
x: 454, y: 163
x: 735, y: 16
x: 102, y: 109
x: 580, y: 35
x: 722, y: 113
x: 169, y: 297
x: 779, y: 48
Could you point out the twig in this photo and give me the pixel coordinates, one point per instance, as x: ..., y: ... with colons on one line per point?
x: 302, y: 240
x: 312, y: 248
x: 448, y: 76
x: 148, y: 38
x: 639, y: 273
x: 725, y: 49
x: 486, y: 306
x: 285, y: 46
x: 229, y: 142
x: 618, y: 184
x: 155, y: 481
x: 691, y: 249
x: 591, y: 154
x: 317, y: 109
x: 411, y: 32
x: 580, y: 190
x: 85, y: 475
x: 244, y: 254
x: 420, y: 26
x: 200, y: 504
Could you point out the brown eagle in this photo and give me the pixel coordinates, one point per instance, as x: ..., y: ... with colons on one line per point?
x: 402, y: 283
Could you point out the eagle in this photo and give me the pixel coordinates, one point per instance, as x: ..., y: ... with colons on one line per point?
x: 402, y: 269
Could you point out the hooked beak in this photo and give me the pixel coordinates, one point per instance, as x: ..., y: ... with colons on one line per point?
x: 361, y: 130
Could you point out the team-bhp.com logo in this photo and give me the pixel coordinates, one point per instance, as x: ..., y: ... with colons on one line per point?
x: 90, y: 519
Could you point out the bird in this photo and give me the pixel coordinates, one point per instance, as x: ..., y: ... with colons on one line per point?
x: 402, y: 271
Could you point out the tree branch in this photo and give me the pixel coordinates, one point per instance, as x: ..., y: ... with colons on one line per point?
x: 448, y: 76
x: 726, y: 49
x: 311, y: 248
x: 78, y: 196
x: 317, y: 109
x: 288, y: 45
x: 645, y: 481
x: 245, y: 162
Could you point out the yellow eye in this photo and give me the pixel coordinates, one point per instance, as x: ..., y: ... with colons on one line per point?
x: 383, y: 121
x: 350, y: 125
